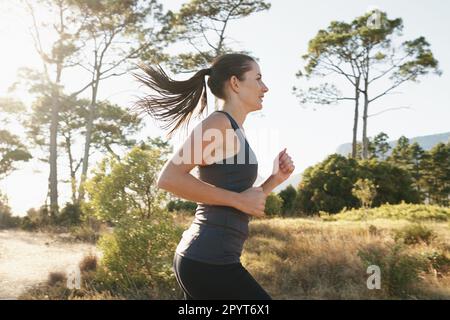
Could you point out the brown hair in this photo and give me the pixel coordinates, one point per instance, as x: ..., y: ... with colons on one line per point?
x: 177, y: 100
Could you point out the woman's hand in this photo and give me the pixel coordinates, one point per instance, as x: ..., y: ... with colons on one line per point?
x: 252, y: 201
x: 282, y: 167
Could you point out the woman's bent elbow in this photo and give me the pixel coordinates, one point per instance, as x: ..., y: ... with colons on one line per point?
x: 161, y: 182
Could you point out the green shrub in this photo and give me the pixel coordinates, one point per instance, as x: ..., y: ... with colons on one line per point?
x: 36, y: 218
x: 70, y: 215
x: 327, y: 186
x: 438, y: 260
x: 138, y: 257
x: 181, y: 205
x: 288, y: 195
x: 399, y: 270
x: 273, y: 205
x: 6, y: 218
x: 415, y: 233
x: 410, y: 212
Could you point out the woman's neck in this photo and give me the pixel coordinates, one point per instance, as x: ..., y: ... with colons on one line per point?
x: 237, y: 113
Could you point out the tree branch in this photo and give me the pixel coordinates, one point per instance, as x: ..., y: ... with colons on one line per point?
x: 390, y: 109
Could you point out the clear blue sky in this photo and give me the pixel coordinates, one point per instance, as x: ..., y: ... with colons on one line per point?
x: 278, y: 38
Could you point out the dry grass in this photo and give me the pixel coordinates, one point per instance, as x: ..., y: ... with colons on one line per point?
x: 309, y: 258
x: 55, y: 278
x: 296, y: 258
x: 89, y: 263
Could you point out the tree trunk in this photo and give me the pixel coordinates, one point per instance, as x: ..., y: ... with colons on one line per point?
x: 72, y: 171
x: 366, y: 108
x: 53, y: 179
x: 355, y: 120
x: 87, y: 145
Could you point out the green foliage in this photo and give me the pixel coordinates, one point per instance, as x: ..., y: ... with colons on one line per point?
x: 327, y: 186
x: 415, y: 233
x: 273, y: 205
x: 410, y: 212
x: 365, y: 191
x: 435, y: 179
x: 379, y: 146
x: 399, y: 270
x: 6, y: 218
x: 206, y: 20
x: 394, y: 184
x: 127, y: 187
x: 181, y: 205
x: 430, y: 170
x: 361, y: 53
x: 70, y: 215
x: 288, y: 195
x: 438, y: 260
x: 11, y: 151
x: 36, y: 218
x: 138, y: 256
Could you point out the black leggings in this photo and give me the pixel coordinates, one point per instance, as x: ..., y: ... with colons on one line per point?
x: 205, y: 281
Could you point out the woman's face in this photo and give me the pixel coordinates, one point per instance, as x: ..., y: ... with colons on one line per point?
x: 252, y: 89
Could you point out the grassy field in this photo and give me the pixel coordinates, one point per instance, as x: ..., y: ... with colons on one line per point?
x: 326, y: 257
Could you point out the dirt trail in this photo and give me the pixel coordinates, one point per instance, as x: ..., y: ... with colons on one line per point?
x: 26, y: 259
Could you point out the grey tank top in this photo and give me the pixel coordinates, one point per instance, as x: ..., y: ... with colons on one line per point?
x: 217, y: 233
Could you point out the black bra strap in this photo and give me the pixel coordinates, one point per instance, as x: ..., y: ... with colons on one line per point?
x: 233, y: 122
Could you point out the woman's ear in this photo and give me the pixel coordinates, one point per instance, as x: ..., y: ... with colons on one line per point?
x: 234, y: 84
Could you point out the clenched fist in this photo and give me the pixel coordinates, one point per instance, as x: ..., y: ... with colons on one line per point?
x: 282, y: 166
x: 252, y: 201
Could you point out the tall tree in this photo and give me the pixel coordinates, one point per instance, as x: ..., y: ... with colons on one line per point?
x: 363, y: 52
x: 112, y: 127
x: 379, y: 146
x: 411, y: 158
x: 436, y: 177
x: 118, y: 32
x: 401, y: 154
x: 65, y: 27
x: 203, y: 24
x: 417, y: 155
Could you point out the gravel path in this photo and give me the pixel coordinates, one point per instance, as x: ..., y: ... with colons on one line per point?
x: 26, y: 259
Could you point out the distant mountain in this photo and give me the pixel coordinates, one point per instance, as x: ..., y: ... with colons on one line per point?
x: 425, y: 142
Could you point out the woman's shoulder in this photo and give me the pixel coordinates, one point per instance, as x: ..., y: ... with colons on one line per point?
x: 216, y: 120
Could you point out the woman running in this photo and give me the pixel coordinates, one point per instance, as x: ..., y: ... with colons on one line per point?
x: 207, y: 260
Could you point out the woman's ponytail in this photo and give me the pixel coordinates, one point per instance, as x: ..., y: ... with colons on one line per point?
x: 175, y: 101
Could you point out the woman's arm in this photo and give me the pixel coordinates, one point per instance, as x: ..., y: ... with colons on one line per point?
x: 270, y: 184
x: 282, y: 169
x: 175, y: 176
x: 186, y: 186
